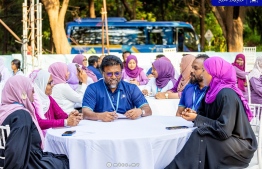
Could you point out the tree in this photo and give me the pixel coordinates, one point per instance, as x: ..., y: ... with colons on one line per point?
x: 231, y: 21
x: 92, y: 8
x: 56, y: 19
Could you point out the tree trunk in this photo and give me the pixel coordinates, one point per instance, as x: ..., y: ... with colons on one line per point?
x: 56, y: 19
x: 231, y: 21
x: 128, y: 8
x: 202, y: 24
x: 134, y: 9
x: 92, y: 9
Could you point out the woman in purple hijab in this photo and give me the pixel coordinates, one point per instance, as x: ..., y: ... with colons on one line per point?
x: 163, y: 80
x: 132, y: 73
x: 239, y: 65
x: 221, y: 120
x: 82, y: 60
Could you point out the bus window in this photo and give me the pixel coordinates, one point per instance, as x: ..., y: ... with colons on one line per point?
x: 133, y: 36
x: 155, y: 36
x: 190, y: 40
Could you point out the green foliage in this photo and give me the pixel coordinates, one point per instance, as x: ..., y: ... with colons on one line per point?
x: 218, y: 42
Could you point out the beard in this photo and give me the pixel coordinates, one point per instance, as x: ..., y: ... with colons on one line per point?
x: 194, y: 79
x: 113, y: 83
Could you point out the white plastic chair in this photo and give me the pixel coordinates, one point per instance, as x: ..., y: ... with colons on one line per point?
x: 4, y: 133
x: 250, y: 54
x: 248, y: 90
x: 256, y: 110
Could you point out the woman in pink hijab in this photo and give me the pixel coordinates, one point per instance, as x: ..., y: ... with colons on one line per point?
x: 63, y: 94
x: 223, y: 137
x: 82, y: 60
x: 23, y: 147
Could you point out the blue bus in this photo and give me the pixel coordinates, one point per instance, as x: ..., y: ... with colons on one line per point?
x: 85, y: 36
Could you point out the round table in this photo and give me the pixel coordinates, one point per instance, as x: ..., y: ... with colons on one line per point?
x: 143, y: 143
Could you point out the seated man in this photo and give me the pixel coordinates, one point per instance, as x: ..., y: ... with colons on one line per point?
x: 195, y: 91
x: 93, y: 62
x: 105, y: 98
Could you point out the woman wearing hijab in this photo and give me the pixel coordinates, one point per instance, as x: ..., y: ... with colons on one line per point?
x: 132, y: 73
x: 48, y: 113
x: 73, y: 80
x: 223, y: 137
x: 82, y: 60
x: 239, y: 65
x: 4, y: 72
x: 163, y: 80
x: 23, y: 145
x: 183, y: 80
x: 255, y: 79
x: 63, y: 94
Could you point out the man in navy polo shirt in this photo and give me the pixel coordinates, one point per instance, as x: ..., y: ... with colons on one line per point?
x: 94, y: 66
x: 195, y: 91
x: 106, y: 98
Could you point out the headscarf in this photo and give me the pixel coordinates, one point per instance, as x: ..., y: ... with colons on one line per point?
x: 2, y: 64
x: 58, y: 71
x: 257, y: 70
x: 79, y: 60
x: 240, y: 82
x: 73, y: 81
x: 15, y: 96
x: 40, y: 79
x: 186, y: 66
x: 223, y: 76
x: 166, y: 72
x: 132, y: 73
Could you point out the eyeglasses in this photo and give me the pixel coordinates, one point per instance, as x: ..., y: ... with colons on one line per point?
x: 110, y: 74
x: 84, y: 60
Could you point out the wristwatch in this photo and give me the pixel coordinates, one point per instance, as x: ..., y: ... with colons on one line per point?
x: 166, y: 94
x: 143, y: 113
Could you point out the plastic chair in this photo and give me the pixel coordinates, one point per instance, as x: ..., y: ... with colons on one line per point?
x: 4, y: 133
x: 248, y: 90
x: 256, y: 110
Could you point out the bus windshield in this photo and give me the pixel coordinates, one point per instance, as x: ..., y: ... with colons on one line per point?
x: 85, y: 36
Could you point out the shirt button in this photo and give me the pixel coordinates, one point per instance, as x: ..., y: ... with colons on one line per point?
x: 199, y: 161
x: 204, y: 123
x: 201, y: 140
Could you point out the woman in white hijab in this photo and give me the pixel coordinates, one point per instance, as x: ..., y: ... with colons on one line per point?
x: 255, y: 79
x: 48, y: 112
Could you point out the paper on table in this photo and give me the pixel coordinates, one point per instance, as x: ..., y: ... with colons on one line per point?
x: 121, y: 116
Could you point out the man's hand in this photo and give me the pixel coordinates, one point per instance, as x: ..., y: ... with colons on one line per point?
x: 133, y: 113
x: 108, y: 116
x: 160, y: 95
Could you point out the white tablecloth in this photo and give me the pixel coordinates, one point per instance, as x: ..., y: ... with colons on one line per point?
x: 142, y: 144
x: 163, y: 107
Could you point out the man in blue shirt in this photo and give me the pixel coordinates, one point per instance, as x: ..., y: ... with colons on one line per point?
x: 93, y: 66
x: 110, y: 97
x: 195, y: 91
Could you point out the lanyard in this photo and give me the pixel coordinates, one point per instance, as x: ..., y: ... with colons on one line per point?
x: 158, y: 89
x: 118, y: 96
x: 199, y: 99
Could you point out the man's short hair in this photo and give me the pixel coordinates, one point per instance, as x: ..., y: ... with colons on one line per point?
x: 125, y: 53
x: 92, y: 60
x: 111, y: 60
x: 160, y: 56
x: 202, y: 56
